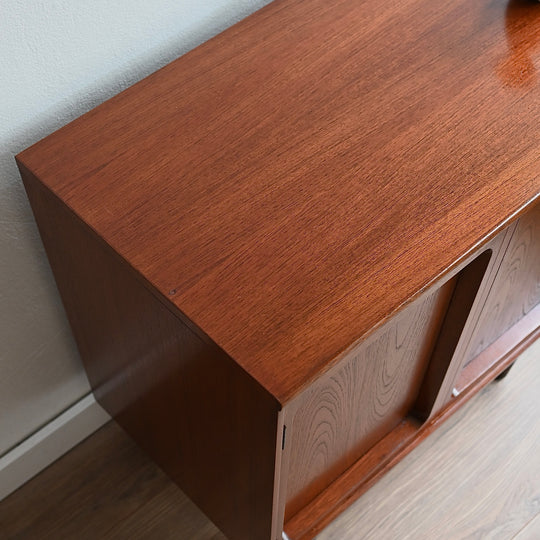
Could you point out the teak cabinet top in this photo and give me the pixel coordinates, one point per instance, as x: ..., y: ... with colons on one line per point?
x: 295, y: 180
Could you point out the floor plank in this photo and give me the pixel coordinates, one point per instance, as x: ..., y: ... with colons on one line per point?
x: 531, y: 531
x: 103, y: 488
x: 477, y: 477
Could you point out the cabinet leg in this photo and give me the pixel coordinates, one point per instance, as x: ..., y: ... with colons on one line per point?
x: 504, y: 373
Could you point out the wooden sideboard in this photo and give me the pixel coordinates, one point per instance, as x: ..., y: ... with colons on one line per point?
x: 289, y: 255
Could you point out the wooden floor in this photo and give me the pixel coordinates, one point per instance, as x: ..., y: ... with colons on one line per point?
x: 477, y: 477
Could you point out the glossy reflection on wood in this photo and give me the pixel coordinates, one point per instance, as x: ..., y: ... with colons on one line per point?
x: 517, y: 68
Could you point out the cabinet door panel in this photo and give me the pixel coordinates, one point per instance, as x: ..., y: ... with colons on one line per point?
x: 361, y: 400
x: 516, y: 288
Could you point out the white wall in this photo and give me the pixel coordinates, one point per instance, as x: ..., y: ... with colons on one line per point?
x: 58, y: 59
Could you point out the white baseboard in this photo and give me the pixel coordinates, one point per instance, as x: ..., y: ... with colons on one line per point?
x: 49, y: 443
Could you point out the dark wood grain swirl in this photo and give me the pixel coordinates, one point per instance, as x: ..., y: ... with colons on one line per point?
x: 355, y: 405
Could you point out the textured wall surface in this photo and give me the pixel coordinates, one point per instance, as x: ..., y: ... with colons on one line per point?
x: 59, y: 59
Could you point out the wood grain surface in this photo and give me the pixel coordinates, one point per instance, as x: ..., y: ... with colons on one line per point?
x: 355, y: 405
x: 516, y: 289
x: 292, y: 182
x: 512, y: 342
x: 442, y: 369
x: 211, y: 427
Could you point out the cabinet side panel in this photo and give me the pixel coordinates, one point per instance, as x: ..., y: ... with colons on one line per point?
x: 516, y: 289
x: 361, y: 400
x: 207, y: 423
